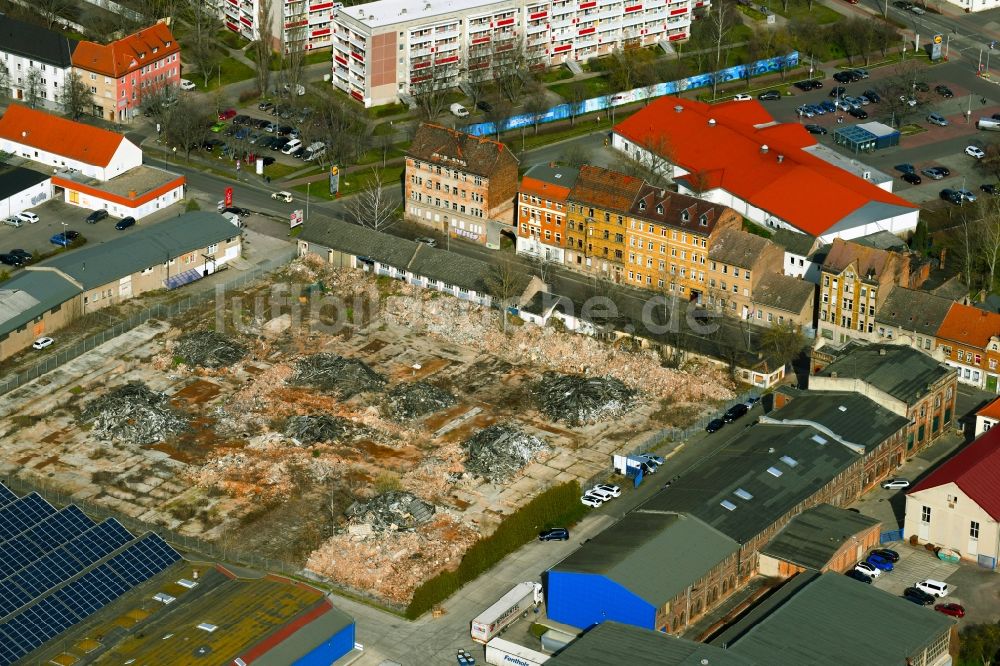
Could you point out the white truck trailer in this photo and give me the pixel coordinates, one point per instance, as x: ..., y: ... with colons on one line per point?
x: 524, y: 597
x: 504, y: 653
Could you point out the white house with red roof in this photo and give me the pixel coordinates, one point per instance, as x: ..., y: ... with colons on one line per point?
x: 988, y: 416
x: 774, y: 174
x: 65, y: 144
x: 958, y: 505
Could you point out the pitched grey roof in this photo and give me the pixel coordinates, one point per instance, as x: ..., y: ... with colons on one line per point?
x: 850, y: 416
x: 794, y: 242
x: 814, y: 536
x: 449, y: 267
x: 140, y: 248
x: 564, y: 176
x: 35, y: 42
x: 737, y: 248
x: 653, y: 555
x: 883, y: 240
x: 614, y: 643
x: 783, y: 292
x: 744, y: 463
x: 17, y: 179
x: 829, y: 616
x: 913, y: 310
x: 902, y: 372
x: 30, y: 294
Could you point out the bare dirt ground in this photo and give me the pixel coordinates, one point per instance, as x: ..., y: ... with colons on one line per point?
x: 234, y: 475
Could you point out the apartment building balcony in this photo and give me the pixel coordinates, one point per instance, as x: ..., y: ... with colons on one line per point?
x: 608, y: 27
x: 319, y: 19
x: 447, y: 34
x: 633, y: 20
x: 536, y: 28
x: 447, y: 48
x: 356, y: 45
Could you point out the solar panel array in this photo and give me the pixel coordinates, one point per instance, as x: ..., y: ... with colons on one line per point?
x: 58, y: 567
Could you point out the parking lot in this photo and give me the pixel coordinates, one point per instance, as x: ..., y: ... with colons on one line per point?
x: 915, y: 565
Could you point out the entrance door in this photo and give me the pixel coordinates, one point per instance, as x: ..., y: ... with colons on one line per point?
x: 973, y: 548
x: 991, y: 383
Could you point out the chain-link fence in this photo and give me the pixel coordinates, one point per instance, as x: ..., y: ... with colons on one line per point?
x: 158, y: 311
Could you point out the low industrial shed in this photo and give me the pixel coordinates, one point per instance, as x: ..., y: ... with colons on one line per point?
x: 866, y: 137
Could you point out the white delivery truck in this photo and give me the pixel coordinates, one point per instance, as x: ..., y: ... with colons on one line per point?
x: 517, y: 603
x: 988, y: 124
x: 504, y: 653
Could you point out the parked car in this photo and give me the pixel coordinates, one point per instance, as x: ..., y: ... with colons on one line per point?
x: 921, y: 86
x: 187, y: 85
x: 990, y: 188
x: 879, y: 562
x: 591, y: 501
x: 887, y: 553
x: 951, y: 196
x: 236, y: 210
x: 714, y: 425
x: 656, y: 460
x: 10, y: 260
x: 933, y: 173
x: 291, y: 146
x: 895, y: 484
x: 27, y: 216
x: 857, y: 575
x: 806, y: 86
x: 902, y: 4
x: 97, y: 216
x: 944, y: 171
x: 827, y: 106
x: 769, y: 96
x: 735, y: 412
x: 918, y: 596
x: 944, y: 91
x: 612, y: 490
x: 912, y: 178
x: 227, y: 114
x: 868, y: 569
x: 24, y: 254
x: 919, y: 11
x: 816, y: 84
x: 966, y: 195
x: 860, y: 114
x: 554, y: 534
x: 268, y: 160
x: 842, y: 77
x: 861, y: 73
x: 856, y: 102
x: 42, y: 343
x: 742, y: 97
x: 484, y: 106
x: 241, y: 119
x: 905, y: 168
x: 218, y: 127
x: 604, y: 495
x: 806, y: 110
x: 815, y: 129
x: 937, y: 119
x: 282, y: 196
x: 933, y: 587
x: 837, y: 91
x: 429, y: 242
x: 954, y: 610
x: 265, y: 106
x: 872, y: 96
x: 975, y: 151
x: 458, y: 110
x: 909, y: 101
x: 125, y: 223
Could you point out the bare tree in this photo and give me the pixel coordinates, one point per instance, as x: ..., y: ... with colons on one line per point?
x: 262, y: 47
x: 575, y: 155
x: 200, y: 47
x: 75, y: 98
x: 653, y: 162
x: 293, y: 60
x: 476, y: 82
x: 990, y: 162
x: 53, y: 11
x: 509, y: 62
x: 374, y: 206
x: 103, y: 25
x: 988, y: 239
x: 498, y: 113
x: 34, y: 89
x: 502, y: 283
x: 384, y: 144
x: 536, y: 105
x: 5, y: 88
x: 575, y: 97
x: 720, y: 22
x: 431, y: 91
x: 185, y: 125
x: 785, y: 340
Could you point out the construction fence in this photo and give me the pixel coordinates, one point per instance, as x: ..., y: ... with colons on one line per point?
x: 158, y: 311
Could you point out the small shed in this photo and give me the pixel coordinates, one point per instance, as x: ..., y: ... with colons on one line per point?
x: 866, y: 137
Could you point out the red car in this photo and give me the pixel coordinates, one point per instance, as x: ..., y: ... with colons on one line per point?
x: 954, y: 610
x: 227, y: 114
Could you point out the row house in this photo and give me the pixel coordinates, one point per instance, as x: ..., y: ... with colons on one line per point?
x: 969, y: 341
x: 386, y: 49
x: 541, y: 211
x: 854, y: 280
x: 122, y: 73
x: 36, y: 62
x: 459, y: 184
x: 912, y: 317
x: 736, y: 264
x: 295, y: 25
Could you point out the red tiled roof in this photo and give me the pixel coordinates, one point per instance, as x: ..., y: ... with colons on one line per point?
x: 544, y: 190
x: 991, y: 411
x: 975, y: 469
x: 606, y: 189
x: 969, y: 325
x: 128, y: 53
x: 802, y: 189
x: 44, y: 131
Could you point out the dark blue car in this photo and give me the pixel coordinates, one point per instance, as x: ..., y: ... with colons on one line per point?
x: 878, y: 561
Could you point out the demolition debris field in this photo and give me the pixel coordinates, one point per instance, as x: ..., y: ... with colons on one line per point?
x: 373, y: 456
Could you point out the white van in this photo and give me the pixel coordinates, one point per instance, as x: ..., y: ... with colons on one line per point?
x: 291, y: 146
x: 933, y: 587
x: 459, y: 110
x: 314, y: 151
x: 234, y: 218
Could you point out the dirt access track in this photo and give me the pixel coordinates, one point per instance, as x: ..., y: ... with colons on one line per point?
x: 235, y: 477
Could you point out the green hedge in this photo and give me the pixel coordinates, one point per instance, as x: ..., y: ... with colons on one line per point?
x: 556, y: 507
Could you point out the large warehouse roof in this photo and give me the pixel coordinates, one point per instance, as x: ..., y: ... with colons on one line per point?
x: 614, y: 643
x: 813, y: 537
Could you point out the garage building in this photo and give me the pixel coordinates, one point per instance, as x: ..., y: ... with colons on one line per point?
x: 21, y: 188
x: 866, y: 137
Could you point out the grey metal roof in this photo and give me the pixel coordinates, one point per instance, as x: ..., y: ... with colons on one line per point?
x: 793, y: 241
x: 744, y: 463
x: 829, y: 618
x: 35, y: 42
x: 913, y: 310
x: 29, y: 295
x: 869, y: 213
x: 140, y: 248
x: 655, y: 555
x: 814, y: 536
x: 878, y: 129
x: 737, y: 248
x: 784, y: 292
x: 17, y: 179
x: 614, y: 643
x: 883, y: 240
x: 850, y: 416
x: 902, y: 372
x: 564, y: 176
x: 449, y: 267
x: 306, y: 638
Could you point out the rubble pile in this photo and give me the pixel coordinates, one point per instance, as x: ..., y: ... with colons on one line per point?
x: 345, y: 376
x: 391, y: 511
x: 134, y: 414
x: 579, y: 400
x: 209, y: 349
x: 318, y: 428
x: 500, y: 451
x: 408, y: 401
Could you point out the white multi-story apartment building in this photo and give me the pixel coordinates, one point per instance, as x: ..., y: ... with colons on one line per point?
x: 382, y: 49
x: 292, y: 21
x: 37, y: 61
